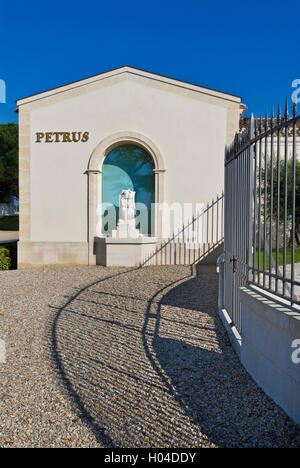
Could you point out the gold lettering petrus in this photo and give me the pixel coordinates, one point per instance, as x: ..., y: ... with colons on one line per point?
x: 62, y: 137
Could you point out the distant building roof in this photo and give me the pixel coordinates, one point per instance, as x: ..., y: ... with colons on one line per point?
x: 244, y: 122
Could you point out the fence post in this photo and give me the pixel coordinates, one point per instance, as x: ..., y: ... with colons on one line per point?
x: 221, y: 265
x: 251, y: 197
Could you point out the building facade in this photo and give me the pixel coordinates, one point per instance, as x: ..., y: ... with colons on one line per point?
x: 82, y: 142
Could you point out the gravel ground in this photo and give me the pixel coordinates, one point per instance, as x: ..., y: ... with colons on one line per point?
x: 108, y: 357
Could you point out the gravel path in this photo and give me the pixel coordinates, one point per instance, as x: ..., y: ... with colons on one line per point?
x: 108, y: 357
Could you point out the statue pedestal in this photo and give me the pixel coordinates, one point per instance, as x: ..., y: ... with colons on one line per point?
x: 124, y: 231
x: 129, y: 252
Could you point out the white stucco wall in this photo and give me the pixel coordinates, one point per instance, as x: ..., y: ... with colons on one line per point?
x: 190, y: 134
x: 189, y: 127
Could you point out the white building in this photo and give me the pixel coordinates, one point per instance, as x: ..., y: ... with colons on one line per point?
x: 74, y: 144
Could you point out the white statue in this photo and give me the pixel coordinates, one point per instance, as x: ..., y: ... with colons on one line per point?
x: 126, y: 223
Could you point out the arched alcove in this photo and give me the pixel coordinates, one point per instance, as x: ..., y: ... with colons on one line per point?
x: 95, y: 172
x: 125, y: 167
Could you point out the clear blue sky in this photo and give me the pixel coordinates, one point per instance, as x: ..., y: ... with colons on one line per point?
x: 250, y: 49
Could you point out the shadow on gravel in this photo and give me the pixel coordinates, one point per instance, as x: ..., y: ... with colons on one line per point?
x: 213, y: 387
x: 158, y: 370
x: 67, y: 379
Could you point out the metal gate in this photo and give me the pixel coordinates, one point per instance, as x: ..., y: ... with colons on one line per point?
x: 262, y: 190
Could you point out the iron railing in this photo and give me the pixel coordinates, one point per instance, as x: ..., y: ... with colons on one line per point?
x: 194, y: 240
x: 262, y: 210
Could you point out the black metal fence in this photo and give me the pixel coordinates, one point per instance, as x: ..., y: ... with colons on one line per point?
x: 262, y: 209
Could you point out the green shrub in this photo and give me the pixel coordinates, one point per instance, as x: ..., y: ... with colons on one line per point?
x: 5, y: 261
x: 12, y: 249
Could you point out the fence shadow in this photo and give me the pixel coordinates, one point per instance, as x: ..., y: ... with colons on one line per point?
x: 156, y: 369
x: 209, y: 381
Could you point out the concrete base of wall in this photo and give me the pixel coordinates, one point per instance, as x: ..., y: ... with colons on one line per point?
x: 108, y: 251
x: 269, y: 346
x: 123, y: 252
x: 269, y: 330
x: 37, y: 254
x: 233, y: 334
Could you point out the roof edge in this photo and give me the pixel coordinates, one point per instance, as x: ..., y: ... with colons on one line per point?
x: 123, y: 69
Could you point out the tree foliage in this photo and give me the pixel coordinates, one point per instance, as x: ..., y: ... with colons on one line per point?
x: 8, y: 162
x: 288, y: 176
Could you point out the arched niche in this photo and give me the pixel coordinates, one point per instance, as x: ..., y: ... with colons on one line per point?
x: 95, y: 171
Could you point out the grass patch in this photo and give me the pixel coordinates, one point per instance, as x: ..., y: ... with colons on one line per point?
x: 280, y: 257
x: 9, y: 223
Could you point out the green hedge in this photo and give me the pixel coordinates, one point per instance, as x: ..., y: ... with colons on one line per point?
x: 5, y: 261
x: 8, y: 256
x: 9, y: 223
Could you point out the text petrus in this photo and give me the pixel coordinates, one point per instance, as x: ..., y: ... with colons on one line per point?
x: 62, y: 137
